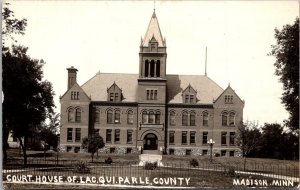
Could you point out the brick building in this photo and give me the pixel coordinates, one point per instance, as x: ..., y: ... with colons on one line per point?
x: 151, y: 110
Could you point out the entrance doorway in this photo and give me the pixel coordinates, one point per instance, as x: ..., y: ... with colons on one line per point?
x: 150, y: 142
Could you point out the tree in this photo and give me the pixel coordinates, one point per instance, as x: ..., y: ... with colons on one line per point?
x: 286, y: 52
x: 28, y: 99
x: 93, y: 143
x: 248, y: 138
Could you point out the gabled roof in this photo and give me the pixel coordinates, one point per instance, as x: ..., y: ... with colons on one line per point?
x: 207, y: 89
x: 153, y: 31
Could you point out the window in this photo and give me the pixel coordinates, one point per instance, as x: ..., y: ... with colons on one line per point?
x: 157, y: 117
x: 69, y: 149
x: 69, y: 134
x: 152, y: 68
x: 151, y: 117
x: 144, y: 117
x: 231, y: 153
x: 112, y: 150
x: 158, y: 68
x: 186, y: 100
x: 188, y: 152
x: 109, y: 116
x: 74, y: 95
x: 185, y: 118
x: 231, y: 138
x: 146, y: 68
x: 228, y: 99
x: 111, y: 97
x: 184, y: 137
x: 116, y: 97
x: 76, y: 149
x: 172, y: 118
x: 77, y: 134
x: 171, y: 151
x: 223, y: 152
x: 204, y: 138
x: 152, y: 94
x: 117, y: 116
x: 192, y: 119
x: 97, y: 116
x: 205, y: 119
x: 191, y: 98
x: 108, y: 135
x: 171, y: 137
x: 128, y: 150
x: 78, y: 115
x: 192, y: 137
x: 117, y: 135
x: 71, y: 117
x: 224, y: 119
x: 129, y: 136
x: 231, y: 119
x: 204, y: 152
x: 130, y: 117
x: 223, y: 138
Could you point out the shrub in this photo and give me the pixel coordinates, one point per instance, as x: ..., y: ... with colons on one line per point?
x: 194, y: 163
x: 151, y: 165
x: 230, y: 171
x: 81, y: 167
x: 108, y: 160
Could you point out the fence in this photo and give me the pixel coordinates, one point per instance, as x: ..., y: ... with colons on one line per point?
x: 192, y: 174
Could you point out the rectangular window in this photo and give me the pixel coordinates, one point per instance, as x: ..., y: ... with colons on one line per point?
x: 128, y: 150
x: 69, y: 149
x: 111, y: 97
x: 204, y: 152
x: 204, y: 137
x: 231, y: 153
x: 171, y: 151
x: 76, y: 149
x: 117, y: 116
x: 223, y: 152
x: 231, y: 138
x: 172, y: 118
x: 117, y: 135
x: 116, y: 97
x: 112, y: 150
x: 186, y: 100
x: 192, y: 119
x: 188, y: 152
x: 151, y: 94
x: 69, y: 134
x: 192, y: 137
x: 184, y: 137
x: 148, y: 94
x: 157, y: 118
x: 191, y: 99
x: 171, y: 137
x: 77, y: 134
x: 108, y: 135
x: 129, y: 136
x: 223, y: 138
x: 155, y: 94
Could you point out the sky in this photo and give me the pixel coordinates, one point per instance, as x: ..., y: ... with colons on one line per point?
x: 105, y: 36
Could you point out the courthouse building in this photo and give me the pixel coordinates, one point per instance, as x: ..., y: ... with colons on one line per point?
x: 151, y: 110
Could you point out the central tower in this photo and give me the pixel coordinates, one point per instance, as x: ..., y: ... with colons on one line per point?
x: 152, y: 83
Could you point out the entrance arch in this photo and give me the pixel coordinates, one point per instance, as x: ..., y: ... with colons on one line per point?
x: 150, y: 142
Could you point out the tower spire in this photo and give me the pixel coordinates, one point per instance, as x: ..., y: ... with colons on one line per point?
x: 205, y: 61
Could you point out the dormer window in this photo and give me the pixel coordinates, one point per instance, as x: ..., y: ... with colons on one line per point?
x: 114, y: 93
x: 189, y: 95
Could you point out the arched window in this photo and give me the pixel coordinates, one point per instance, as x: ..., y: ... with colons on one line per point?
x: 157, y: 117
x: 97, y: 116
x: 109, y: 116
x: 144, y: 117
x: 130, y: 117
x: 151, y: 117
x: 78, y: 115
x: 152, y: 68
x: 184, y: 118
x: 192, y: 119
x: 172, y: 118
x: 117, y: 116
x: 205, y: 119
x: 71, y: 117
x: 231, y: 118
x: 224, y: 118
x: 146, y: 68
x: 158, y: 68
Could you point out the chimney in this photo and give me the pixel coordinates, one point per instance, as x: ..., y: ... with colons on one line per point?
x: 72, y: 72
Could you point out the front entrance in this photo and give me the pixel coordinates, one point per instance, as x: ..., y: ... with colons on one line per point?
x: 150, y: 142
